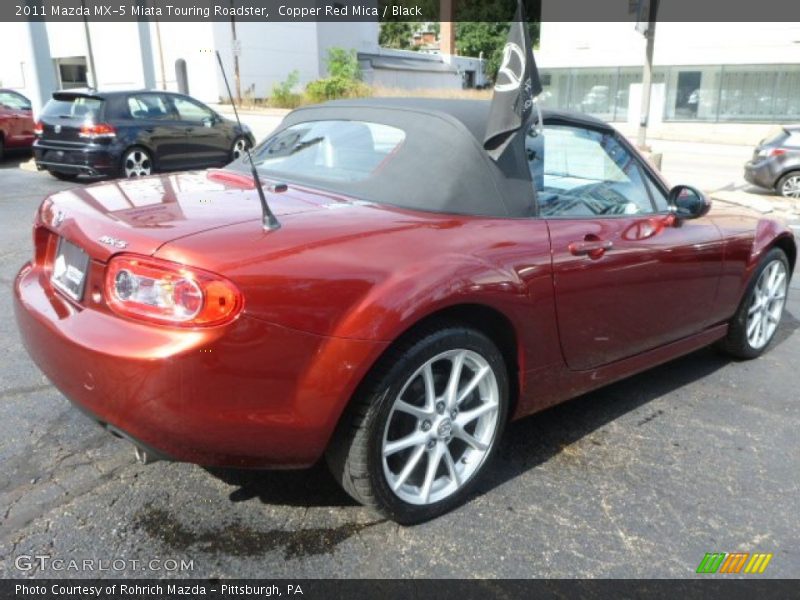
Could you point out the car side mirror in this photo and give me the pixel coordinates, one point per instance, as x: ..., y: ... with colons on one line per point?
x: 688, y: 202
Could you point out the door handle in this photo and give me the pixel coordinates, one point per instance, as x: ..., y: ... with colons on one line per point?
x: 593, y: 248
x: 189, y: 129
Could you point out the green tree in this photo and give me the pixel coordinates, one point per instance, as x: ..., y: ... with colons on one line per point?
x: 343, y: 81
x: 395, y: 34
x: 478, y: 29
x: 343, y: 64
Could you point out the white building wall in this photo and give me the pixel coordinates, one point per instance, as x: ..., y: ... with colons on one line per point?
x: 269, y: 52
x: 619, y: 44
x: 361, y: 37
x: 117, y: 54
x: 15, y: 61
x: 194, y: 43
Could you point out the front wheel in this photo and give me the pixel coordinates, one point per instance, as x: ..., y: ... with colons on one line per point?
x: 425, y: 424
x: 756, y: 321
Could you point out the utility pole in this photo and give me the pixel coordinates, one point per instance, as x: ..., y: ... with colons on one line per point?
x: 89, y: 50
x: 647, y: 10
x: 161, y: 57
x: 447, y: 26
x: 235, y: 48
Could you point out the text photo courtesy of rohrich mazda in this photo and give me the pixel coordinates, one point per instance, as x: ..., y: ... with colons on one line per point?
x: 389, y: 298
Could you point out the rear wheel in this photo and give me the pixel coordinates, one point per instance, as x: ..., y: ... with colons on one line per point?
x: 136, y: 162
x: 789, y: 185
x: 64, y: 176
x: 425, y: 424
x: 757, y: 319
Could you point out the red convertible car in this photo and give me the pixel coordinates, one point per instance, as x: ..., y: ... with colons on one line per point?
x: 416, y: 297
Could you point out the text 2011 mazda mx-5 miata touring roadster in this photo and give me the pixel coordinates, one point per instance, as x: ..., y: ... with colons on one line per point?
x: 416, y: 297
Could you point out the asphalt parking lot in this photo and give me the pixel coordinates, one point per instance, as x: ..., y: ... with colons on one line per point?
x: 639, y: 479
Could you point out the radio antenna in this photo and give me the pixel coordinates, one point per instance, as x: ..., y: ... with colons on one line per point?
x: 268, y: 218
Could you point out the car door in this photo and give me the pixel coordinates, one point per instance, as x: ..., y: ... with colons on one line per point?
x: 205, y: 140
x: 158, y: 128
x: 627, y: 276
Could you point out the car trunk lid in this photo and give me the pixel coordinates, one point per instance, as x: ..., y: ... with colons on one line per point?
x: 140, y: 215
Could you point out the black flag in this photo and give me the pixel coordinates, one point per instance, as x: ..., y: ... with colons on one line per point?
x: 516, y: 86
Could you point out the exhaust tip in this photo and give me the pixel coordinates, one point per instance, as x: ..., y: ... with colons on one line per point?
x: 143, y: 457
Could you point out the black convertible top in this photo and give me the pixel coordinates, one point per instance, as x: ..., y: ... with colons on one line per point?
x: 441, y: 166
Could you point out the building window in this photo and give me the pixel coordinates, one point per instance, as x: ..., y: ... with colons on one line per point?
x: 744, y: 93
x: 72, y: 72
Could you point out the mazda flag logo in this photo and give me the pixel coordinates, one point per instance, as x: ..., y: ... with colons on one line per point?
x: 512, y: 69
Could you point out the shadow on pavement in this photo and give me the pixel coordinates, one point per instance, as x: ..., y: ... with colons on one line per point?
x: 14, y: 158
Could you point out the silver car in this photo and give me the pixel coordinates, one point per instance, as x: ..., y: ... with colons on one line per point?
x: 776, y: 162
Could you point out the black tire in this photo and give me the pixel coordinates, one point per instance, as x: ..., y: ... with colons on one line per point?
x: 2, y: 147
x: 736, y: 342
x: 235, y: 147
x: 63, y: 176
x: 355, y: 455
x: 782, y: 181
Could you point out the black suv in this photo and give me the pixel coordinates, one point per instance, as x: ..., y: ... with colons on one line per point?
x: 132, y: 134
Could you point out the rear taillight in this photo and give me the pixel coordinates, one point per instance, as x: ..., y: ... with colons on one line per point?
x: 165, y: 292
x: 770, y: 152
x: 101, y: 130
x: 38, y: 128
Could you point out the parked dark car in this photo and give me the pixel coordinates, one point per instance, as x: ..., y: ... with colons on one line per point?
x: 132, y: 134
x: 776, y: 163
x: 16, y: 121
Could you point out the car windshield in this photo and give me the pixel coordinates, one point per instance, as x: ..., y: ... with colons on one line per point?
x: 12, y: 100
x: 75, y: 107
x: 329, y: 150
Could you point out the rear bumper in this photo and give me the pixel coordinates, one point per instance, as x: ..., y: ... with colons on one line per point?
x: 251, y: 394
x: 761, y: 174
x: 81, y: 160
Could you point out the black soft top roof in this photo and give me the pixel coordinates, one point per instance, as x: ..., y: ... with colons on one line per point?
x: 441, y: 166
x: 472, y: 113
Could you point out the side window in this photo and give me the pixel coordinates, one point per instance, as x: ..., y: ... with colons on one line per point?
x: 14, y: 100
x: 585, y: 173
x: 148, y: 106
x: 189, y: 110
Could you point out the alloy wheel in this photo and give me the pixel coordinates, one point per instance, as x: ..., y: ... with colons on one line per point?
x: 766, y: 306
x: 791, y: 187
x: 239, y: 148
x: 441, y: 427
x: 137, y: 163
